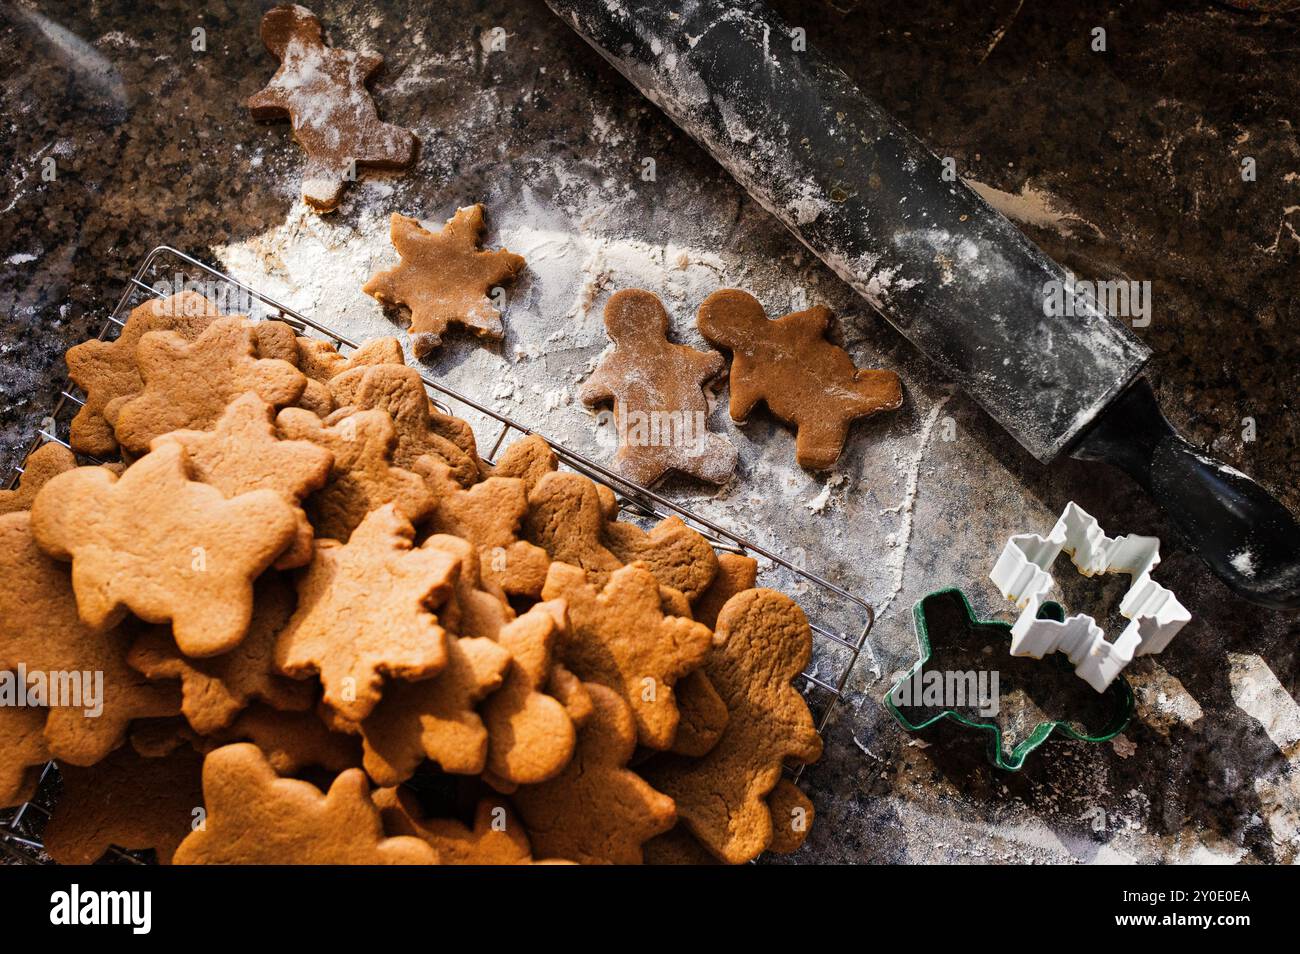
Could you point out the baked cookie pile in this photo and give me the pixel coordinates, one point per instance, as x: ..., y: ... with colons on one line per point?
x: 311, y: 603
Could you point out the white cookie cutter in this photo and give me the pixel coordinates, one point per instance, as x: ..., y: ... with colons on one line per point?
x: 1023, y: 574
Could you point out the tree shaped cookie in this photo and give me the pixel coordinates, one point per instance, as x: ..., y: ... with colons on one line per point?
x: 216, y: 689
x: 255, y: 817
x: 596, y: 811
x: 22, y: 749
x: 435, y: 718
x: 323, y: 93
x: 722, y: 796
x: 244, y: 452
x: 127, y: 801
x: 163, y: 546
x: 41, y: 464
x: 619, y: 637
x: 190, y: 384
x: 363, y: 477
x: 106, y: 370
x: 365, y: 611
x: 805, y: 380
x: 421, y: 430
x: 444, y: 278
x: 656, y: 388
x: 530, y: 733
x: 40, y: 630
x: 497, y: 838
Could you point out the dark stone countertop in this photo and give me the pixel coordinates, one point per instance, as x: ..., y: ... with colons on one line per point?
x: 1121, y: 165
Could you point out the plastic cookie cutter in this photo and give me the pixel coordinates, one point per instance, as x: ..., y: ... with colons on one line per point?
x: 1022, y: 573
x: 937, y: 617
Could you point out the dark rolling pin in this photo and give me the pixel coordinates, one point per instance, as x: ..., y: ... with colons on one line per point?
x: 962, y: 283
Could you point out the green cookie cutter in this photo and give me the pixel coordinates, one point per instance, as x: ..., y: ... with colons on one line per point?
x: 1119, y: 691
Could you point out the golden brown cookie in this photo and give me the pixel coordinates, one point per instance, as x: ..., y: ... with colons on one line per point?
x: 530, y: 734
x: 489, y: 515
x: 322, y: 92
x: 107, y: 373
x: 276, y: 339
x: 677, y: 847
x: 216, y: 689
x: 363, y: 477
x: 292, y: 741
x: 40, y: 630
x: 41, y: 464
x: 255, y: 817
x: 163, y: 546
x: 189, y: 384
x: 736, y: 574
x: 365, y: 611
x: 792, y: 817
x: 766, y: 643
x: 243, y: 452
x: 566, y: 519
x: 23, y: 751
x: 529, y: 459
x: 657, y: 390
x: 805, y: 380
x: 596, y: 811
x: 619, y: 637
x: 320, y: 360
x: 497, y: 838
x: 444, y: 278
x: 470, y: 610
x: 421, y: 430
x: 435, y: 718
x: 677, y: 555
x: 125, y: 801
x: 704, y: 715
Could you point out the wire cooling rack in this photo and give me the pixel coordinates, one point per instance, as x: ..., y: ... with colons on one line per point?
x: 841, y: 622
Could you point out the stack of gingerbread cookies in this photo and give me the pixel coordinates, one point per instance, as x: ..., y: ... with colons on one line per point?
x: 309, y: 603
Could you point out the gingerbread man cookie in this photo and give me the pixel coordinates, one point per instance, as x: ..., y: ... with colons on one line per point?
x: 243, y: 452
x: 656, y: 388
x: 620, y: 637
x: 736, y: 573
x: 256, y: 817
x: 189, y: 384
x: 365, y: 612
x: 444, y: 278
x: 322, y: 91
x: 678, y: 556
x: 792, y: 817
x: 163, y: 546
x: 765, y: 643
x: 107, y: 373
x: 805, y: 380
x: 41, y: 464
x: 597, y: 811
x: 566, y: 519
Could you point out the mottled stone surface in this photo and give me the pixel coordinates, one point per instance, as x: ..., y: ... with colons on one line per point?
x: 1125, y: 164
